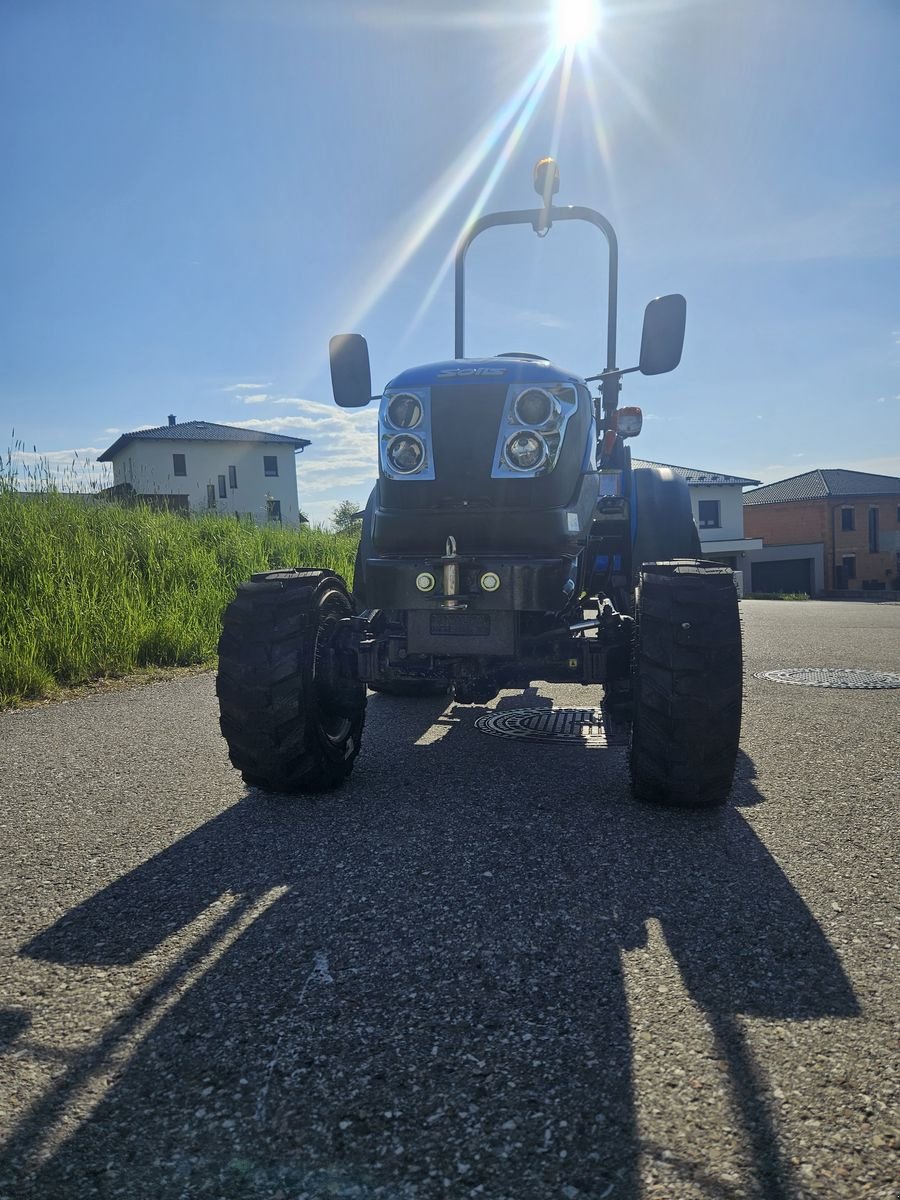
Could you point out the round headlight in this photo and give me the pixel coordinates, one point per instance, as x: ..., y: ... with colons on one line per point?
x: 526, y: 451
x: 406, y: 454
x: 404, y: 411
x: 535, y: 407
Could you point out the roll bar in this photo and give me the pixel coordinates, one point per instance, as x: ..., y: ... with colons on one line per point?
x: 540, y: 219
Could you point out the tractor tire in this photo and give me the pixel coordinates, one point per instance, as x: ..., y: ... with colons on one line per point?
x: 687, y: 681
x: 291, y: 707
x: 664, y: 523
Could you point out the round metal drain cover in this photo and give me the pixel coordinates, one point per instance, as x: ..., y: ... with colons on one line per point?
x: 828, y: 677
x: 557, y: 726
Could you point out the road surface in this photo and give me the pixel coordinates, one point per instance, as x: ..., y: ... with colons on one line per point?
x: 478, y: 970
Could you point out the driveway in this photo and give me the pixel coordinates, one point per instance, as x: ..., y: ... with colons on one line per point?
x: 480, y: 969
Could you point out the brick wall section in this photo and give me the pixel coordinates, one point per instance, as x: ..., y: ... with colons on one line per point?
x: 787, y: 524
x: 820, y: 521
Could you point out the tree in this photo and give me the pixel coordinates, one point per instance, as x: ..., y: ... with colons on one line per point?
x: 347, y: 517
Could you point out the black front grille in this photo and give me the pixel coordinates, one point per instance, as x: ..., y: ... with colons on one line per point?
x: 465, y: 420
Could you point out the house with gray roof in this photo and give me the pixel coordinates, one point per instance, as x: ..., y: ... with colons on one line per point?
x: 201, y: 466
x: 850, y: 519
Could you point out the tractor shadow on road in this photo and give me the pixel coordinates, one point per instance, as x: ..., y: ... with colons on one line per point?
x: 432, y: 989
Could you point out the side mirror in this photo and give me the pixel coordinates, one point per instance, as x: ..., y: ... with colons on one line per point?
x: 351, y: 376
x: 663, y: 337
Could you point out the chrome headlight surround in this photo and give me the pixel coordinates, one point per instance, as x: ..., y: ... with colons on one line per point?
x: 404, y: 411
x: 402, y: 443
x: 391, y: 430
x: 545, y: 416
x: 510, y: 456
x: 549, y: 427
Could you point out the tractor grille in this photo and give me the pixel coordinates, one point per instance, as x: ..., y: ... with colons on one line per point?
x: 464, y: 425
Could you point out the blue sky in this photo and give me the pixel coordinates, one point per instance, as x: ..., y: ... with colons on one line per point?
x: 197, y: 194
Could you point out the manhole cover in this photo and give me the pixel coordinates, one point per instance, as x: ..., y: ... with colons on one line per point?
x: 556, y: 726
x: 828, y: 677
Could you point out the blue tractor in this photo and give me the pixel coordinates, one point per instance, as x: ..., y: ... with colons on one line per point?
x: 508, y: 539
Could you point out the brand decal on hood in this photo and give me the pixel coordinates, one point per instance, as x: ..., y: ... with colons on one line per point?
x: 454, y: 371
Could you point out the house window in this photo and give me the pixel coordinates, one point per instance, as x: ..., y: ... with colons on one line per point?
x: 873, y: 530
x: 708, y: 512
x: 270, y: 464
x: 179, y: 466
x: 223, y: 491
x: 210, y: 496
x: 232, y: 477
x: 273, y: 509
x: 848, y: 566
x: 848, y: 519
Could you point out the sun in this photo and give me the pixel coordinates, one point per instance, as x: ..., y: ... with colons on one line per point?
x: 575, y: 22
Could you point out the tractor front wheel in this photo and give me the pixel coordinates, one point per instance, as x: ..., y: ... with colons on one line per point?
x: 687, y: 677
x: 291, y: 706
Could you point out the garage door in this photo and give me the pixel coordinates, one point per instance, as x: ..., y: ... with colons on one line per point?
x: 789, y: 575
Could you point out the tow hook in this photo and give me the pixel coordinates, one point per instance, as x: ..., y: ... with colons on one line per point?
x: 450, y: 563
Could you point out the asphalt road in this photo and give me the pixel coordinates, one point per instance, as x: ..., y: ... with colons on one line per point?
x: 478, y: 970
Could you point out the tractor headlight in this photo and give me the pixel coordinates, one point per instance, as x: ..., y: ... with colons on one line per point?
x: 535, y: 407
x: 406, y: 454
x: 404, y: 411
x: 404, y: 434
x: 525, y: 451
x: 533, y: 427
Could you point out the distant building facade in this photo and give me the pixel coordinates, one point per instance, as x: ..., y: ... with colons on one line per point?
x: 850, y: 518
x: 200, y: 466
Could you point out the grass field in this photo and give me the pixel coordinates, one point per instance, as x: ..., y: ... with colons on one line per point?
x: 91, y: 589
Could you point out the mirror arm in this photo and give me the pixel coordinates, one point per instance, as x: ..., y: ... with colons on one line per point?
x: 614, y: 374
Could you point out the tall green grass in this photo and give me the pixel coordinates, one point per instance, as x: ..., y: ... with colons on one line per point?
x: 90, y: 588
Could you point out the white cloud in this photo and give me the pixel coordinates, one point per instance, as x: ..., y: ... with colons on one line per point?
x: 112, y: 431
x: 342, y: 460
x: 247, y: 387
x: 256, y: 398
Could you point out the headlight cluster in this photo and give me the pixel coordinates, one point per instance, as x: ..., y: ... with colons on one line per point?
x: 525, y: 451
x: 405, y: 435
x: 532, y: 429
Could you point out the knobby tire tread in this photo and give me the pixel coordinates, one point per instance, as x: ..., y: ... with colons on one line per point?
x: 265, y: 683
x: 687, y: 685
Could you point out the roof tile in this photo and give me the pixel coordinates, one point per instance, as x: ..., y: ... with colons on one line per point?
x: 820, y: 484
x: 695, y: 476
x: 199, y: 431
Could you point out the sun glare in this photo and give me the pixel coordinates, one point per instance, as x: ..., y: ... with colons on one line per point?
x: 575, y: 22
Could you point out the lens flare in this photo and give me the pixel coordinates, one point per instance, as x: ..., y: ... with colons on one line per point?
x: 575, y: 22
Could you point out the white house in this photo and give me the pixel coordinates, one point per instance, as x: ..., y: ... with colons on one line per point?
x: 718, y: 504
x: 199, y: 466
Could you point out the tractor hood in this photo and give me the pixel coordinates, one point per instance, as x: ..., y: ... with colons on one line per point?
x: 485, y: 449
x: 504, y: 369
